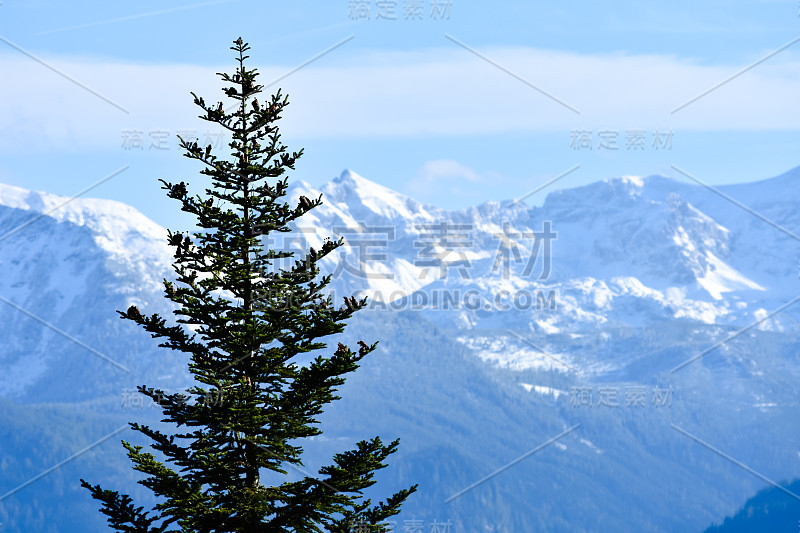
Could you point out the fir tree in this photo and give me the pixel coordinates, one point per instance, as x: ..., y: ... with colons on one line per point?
x: 254, y: 403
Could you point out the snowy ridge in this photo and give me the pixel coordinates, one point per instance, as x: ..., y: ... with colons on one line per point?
x: 619, y: 241
x: 623, y: 252
x: 130, y: 239
x: 629, y: 251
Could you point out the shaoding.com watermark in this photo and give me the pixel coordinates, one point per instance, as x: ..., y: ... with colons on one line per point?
x: 439, y: 299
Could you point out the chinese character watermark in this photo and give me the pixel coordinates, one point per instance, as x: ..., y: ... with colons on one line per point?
x: 442, y: 249
x: 608, y: 396
x: 509, y: 249
x: 438, y: 242
x: 408, y: 526
x: 362, y: 241
x: 608, y: 139
x: 413, y: 10
x: 134, y: 399
x: 134, y: 139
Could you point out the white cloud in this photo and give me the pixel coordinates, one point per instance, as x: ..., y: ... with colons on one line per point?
x: 439, y: 92
x: 445, y: 169
x: 450, y: 178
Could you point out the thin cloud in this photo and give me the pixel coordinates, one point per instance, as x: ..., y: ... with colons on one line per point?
x: 438, y: 92
x: 448, y: 177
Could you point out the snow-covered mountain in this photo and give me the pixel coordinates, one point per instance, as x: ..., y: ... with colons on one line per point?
x: 624, y: 252
x: 489, y: 320
x: 67, y: 265
x: 683, y: 247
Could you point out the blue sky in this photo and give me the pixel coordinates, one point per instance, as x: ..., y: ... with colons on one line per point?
x: 455, y: 104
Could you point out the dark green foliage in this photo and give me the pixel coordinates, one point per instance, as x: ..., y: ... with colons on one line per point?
x: 254, y: 403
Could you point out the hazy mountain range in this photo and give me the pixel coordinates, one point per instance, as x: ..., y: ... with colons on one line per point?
x: 623, y: 357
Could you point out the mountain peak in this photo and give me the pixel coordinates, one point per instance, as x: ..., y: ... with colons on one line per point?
x: 631, y: 181
x: 81, y: 211
x: 351, y: 181
x: 348, y: 176
x: 365, y: 197
x: 20, y: 198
